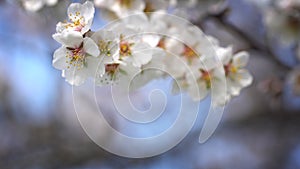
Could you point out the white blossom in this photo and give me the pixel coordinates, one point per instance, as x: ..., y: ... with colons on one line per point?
x: 153, y: 70
x: 142, y: 47
x: 237, y: 77
x: 107, y: 42
x: 80, y: 18
x: 131, y: 48
x: 76, y: 57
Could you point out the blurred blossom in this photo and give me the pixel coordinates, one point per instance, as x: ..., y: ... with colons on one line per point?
x: 273, y: 88
x: 196, y: 9
x: 36, y: 5
x: 283, y: 20
x: 121, y: 8
x: 113, y: 9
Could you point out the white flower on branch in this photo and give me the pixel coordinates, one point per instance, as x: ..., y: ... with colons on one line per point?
x: 140, y: 48
x: 237, y: 77
x: 80, y: 18
x: 76, y: 57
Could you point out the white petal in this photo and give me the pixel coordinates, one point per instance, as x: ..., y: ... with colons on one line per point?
x: 71, y: 39
x: 225, y: 54
x: 142, y: 54
x: 219, y: 89
x: 244, y: 78
x: 174, y: 46
x: 103, y: 3
x: 74, y: 77
x: 107, y: 14
x: 92, y: 64
x: 90, y: 47
x: 138, y: 5
x: 60, y: 27
x: 101, y: 64
x: 240, y: 59
x: 59, y: 58
x: 198, y: 91
x: 138, y: 20
x: 105, y: 35
x: 86, y: 10
x: 125, y: 31
x: 192, y: 75
x: 152, y: 40
x: 190, y: 36
x: 87, y: 27
x: 233, y: 88
x: 135, y: 6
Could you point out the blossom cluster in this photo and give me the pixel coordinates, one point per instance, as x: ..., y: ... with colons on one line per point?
x: 282, y: 19
x: 146, y: 46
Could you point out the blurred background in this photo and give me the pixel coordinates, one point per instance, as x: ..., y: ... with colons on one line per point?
x: 259, y: 130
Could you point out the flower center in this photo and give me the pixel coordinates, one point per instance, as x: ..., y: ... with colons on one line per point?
x: 112, y: 69
x: 189, y: 54
x: 125, y: 47
x: 230, y: 69
x: 76, y: 57
x: 104, y: 47
x: 77, y: 21
x: 206, y: 77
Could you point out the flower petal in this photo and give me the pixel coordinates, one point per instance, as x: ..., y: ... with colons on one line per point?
x: 224, y: 54
x: 86, y: 10
x: 59, y: 58
x: 142, y: 54
x: 240, y: 59
x: 90, y: 47
x: 71, y: 39
x: 244, y: 78
x: 92, y: 64
x: 233, y: 88
x: 174, y: 46
x: 103, y: 3
x: 74, y: 77
x: 198, y: 91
